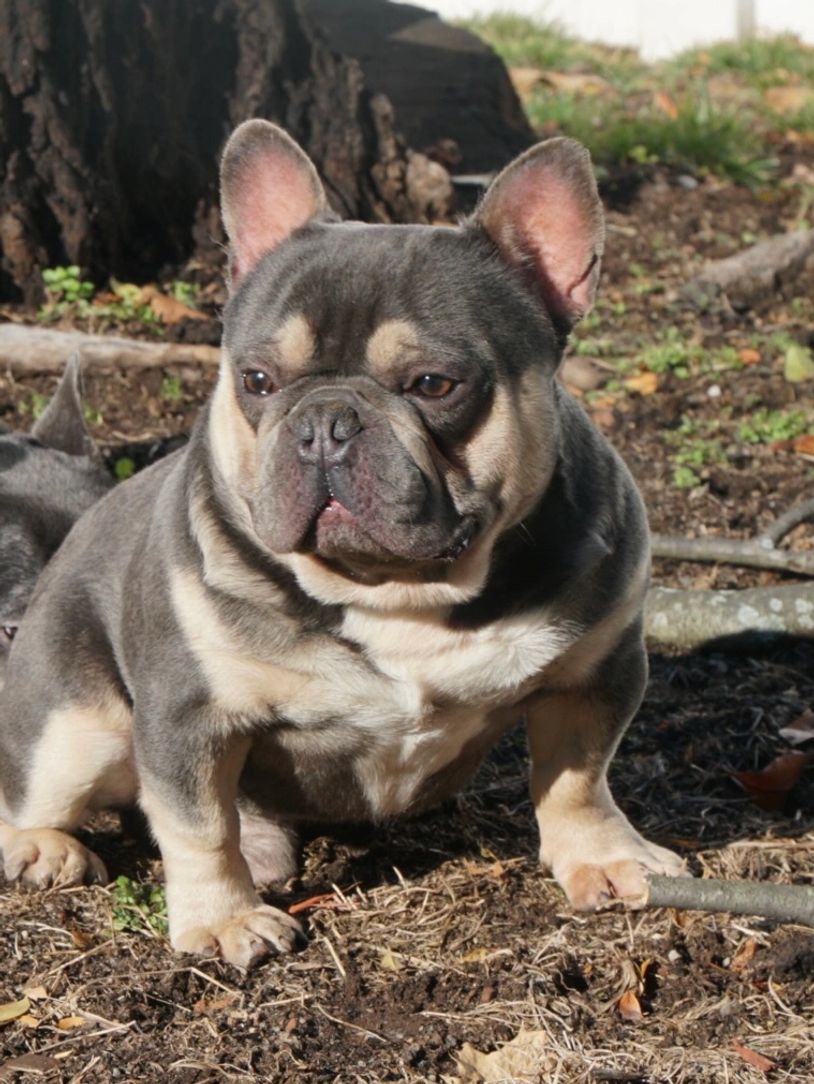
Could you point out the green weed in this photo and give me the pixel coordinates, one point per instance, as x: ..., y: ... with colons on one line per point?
x: 766, y: 426
x: 185, y: 292
x: 171, y: 390
x: 65, y: 291
x: 138, y: 908
x: 124, y: 468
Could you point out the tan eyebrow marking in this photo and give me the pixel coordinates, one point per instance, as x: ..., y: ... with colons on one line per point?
x: 295, y: 343
x: 389, y: 342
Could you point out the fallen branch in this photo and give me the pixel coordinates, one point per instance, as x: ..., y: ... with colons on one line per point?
x: 689, y: 618
x: 751, y: 553
x: 796, y: 515
x: 25, y: 349
x: 755, y: 272
x: 781, y: 903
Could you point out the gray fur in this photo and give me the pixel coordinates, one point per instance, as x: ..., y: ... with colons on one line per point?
x: 103, y: 625
x: 47, y: 480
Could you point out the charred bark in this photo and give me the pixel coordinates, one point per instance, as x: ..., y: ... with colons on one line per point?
x: 112, y: 115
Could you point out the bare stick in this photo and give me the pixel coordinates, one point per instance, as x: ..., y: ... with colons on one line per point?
x: 25, y: 350
x: 788, y: 521
x: 688, y: 618
x: 781, y: 903
x: 735, y: 551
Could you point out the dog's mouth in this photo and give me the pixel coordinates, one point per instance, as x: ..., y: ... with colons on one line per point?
x: 338, y: 537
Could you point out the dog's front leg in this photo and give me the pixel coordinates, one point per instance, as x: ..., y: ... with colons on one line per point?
x: 188, y: 792
x: 585, y: 839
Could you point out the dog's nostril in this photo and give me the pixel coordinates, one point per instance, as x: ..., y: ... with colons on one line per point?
x: 346, y: 425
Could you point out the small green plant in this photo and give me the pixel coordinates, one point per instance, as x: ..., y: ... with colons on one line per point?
x: 91, y: 415
x: 138, y: 908
x: 766, y: 426
x: 65, y: 291
x: 35, y: 405
x: 685, y: 478
x: 185, y: 292
x: 124, y: 468
x: 171, y: 389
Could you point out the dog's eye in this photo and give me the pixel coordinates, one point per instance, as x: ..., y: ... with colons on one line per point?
x: 256, y: 382
x: 8, y: 631
x: 432, y: 386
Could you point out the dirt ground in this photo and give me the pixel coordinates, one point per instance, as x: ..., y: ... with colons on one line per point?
x: 440, y: 932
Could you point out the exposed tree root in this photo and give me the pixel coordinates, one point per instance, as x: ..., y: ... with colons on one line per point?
x: 781, y: 903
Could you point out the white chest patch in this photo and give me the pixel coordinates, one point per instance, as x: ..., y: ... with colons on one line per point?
x: 419, y: 692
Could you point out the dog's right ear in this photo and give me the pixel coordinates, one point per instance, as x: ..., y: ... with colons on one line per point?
x: 62, y: 423
x: 268, y: 188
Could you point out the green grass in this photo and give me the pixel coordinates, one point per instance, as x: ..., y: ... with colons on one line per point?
x: 138, y: 908
x: 766, y: 426
x: 626, y: 125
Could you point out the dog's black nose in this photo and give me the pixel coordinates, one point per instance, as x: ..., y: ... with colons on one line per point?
x: 324, y: 430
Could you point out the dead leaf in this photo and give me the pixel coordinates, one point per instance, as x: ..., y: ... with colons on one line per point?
x: 584, y: 373
x: 68, y: 1023
x: 744, y: 956
x: 800, y: 730
x: 36, y: 993
x: 476, y: 956
x: 524, y: 80
x: 798, y: 364
x: 206, y: 1005
x: 804, y: 445
x: 81, y: 939
x: 664, y: 102
x: 643, y: 383
x: 29, y: 1021
x: 749, y: 356
x: 770, y: 787
x: 752, y: 1057
x: 629, y: 1007
x: 168, y: 309
x: 25, y: 1064
x: 12, y: 1010
x: 577, y: 82
x: 388, y: 961
x: 522, y: 1060
x: 789, y: 99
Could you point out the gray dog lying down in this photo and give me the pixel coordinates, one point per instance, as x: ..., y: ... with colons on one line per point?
x: 392, y: 535
x: 47, y: 480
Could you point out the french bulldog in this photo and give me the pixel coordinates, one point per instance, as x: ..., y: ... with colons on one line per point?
x: 391, y: 535
x: 47, y: 480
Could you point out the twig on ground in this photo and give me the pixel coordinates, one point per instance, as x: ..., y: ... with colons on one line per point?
x: 25, y: 350
x: 689, y: 618
x: 778, y: 530
x: 751, y: 553
x: 781, y: 903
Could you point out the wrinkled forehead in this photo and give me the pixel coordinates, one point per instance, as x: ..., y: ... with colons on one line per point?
x: 357, y: 298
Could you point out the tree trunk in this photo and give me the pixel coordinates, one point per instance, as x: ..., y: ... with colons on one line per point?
x: 112, y: 114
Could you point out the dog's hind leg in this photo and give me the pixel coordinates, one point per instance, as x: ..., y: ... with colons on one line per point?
x: 82, y: 761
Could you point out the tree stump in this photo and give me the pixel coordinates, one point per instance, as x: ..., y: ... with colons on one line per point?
x: 112, y: 117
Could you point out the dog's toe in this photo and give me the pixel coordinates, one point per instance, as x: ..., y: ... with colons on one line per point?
x: 245, y: 939
x: 47, y: 857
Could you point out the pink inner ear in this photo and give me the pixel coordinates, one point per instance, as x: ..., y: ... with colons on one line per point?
x: 271, y: 196
x: 553, y: 226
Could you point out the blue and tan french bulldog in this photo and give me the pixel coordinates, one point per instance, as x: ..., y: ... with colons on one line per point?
x: 391, y: 535
x: 47, y: 480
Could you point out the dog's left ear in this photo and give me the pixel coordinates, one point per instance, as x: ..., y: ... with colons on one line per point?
x: 544, y: 214
x: 62, y: 423
x: 268, y: 188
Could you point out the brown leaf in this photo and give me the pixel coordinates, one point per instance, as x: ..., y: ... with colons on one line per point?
x: 81, y: 939
x: 800, y: 730
x: 770, y: 787
x: 522, y: 1060
x: 804, y: 445
x: 749, y: 356
x: 326, y: 900
x: 36, y: 993
x: 643, y: 383
x: 629, y: 1007
x: 744, y: 956
x: 577, y: 82
x: 12, y: 1010
x: 524, y: 80
x: 167, y: 309
x: 68, y: 1023
x: 789, y: 99
x: 206, y: 1005
x: 664, y: 102
x: 29, y: 1021
x: 752, y: 1057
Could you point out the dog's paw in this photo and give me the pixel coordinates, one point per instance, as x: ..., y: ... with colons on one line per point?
x: 49, y: 858
x: 610, y: 862
x: 245, y: 939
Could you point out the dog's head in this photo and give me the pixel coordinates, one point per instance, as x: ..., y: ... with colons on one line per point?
x: 386, y: 408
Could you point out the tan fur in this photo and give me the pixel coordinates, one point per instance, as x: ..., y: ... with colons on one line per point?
x: 234, y: 444
x: 586, y: 841
x: 294, y: 345
x: 83, y: 761
x: 388, y: 345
